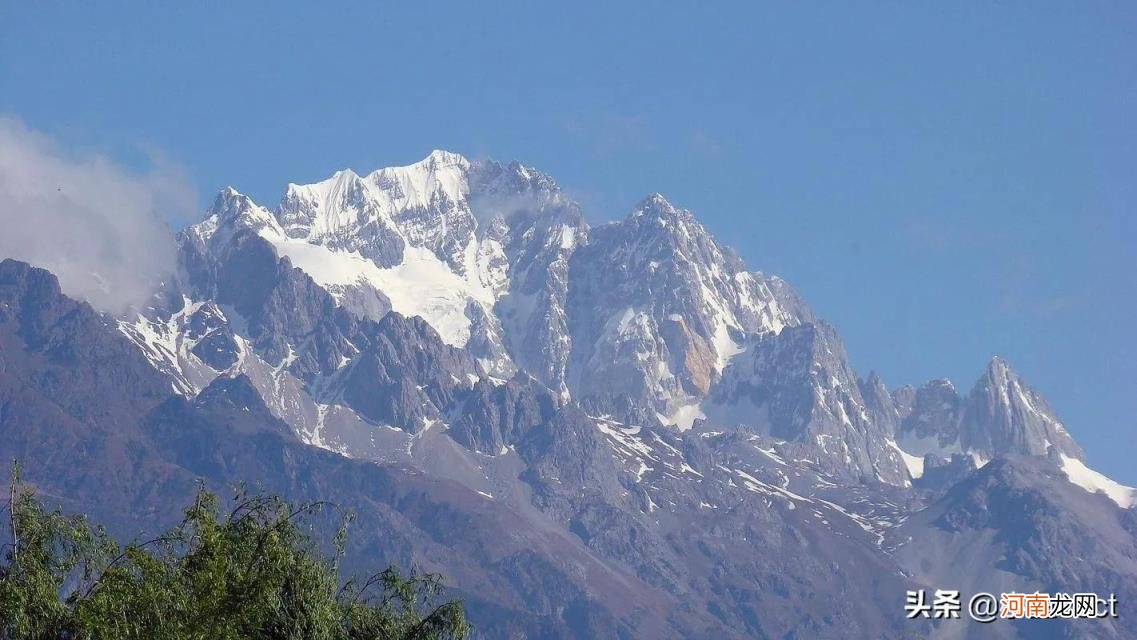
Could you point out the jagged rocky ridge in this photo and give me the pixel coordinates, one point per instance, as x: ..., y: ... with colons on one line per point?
x: 629, y: 389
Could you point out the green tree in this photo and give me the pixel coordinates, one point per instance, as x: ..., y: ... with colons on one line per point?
x: 250, y: 571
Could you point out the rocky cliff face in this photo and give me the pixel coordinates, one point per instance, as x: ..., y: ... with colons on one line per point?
x: 1004, y: 415
x: 1001, y: 415
x: 596, y: 431
x: 797, y: 387
x: 657, y: 309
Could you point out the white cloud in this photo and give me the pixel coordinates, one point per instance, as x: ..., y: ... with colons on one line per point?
x: 97, y: 225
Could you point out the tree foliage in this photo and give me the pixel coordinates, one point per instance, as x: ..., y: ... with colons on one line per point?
x: 249, y: 571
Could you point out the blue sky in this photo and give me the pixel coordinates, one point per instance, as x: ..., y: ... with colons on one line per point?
x: 942, y: 182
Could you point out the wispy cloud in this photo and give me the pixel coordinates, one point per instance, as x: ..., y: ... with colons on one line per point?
x: 97, y: 225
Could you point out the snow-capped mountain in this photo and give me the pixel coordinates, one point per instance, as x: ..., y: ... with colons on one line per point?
x: 647, y: 316
x: 646, y: 319
x: 618, y: 413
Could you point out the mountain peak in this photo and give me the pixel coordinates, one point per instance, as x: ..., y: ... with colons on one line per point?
x: 1005, y: 414
x: 438, y: 160
x: 998, y: 366
x: 229, y: 199
x: 656, y: 210
x: 231, y: 210
x: 439, y: 157
x: 230, y: 205
x: 1000, y: 375
x: 657, y: 206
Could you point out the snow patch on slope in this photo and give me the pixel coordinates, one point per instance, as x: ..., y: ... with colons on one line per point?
x: 1078, y: 473
x: 421, y: 285
x: 915, y: 464
x: 165, y: 344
